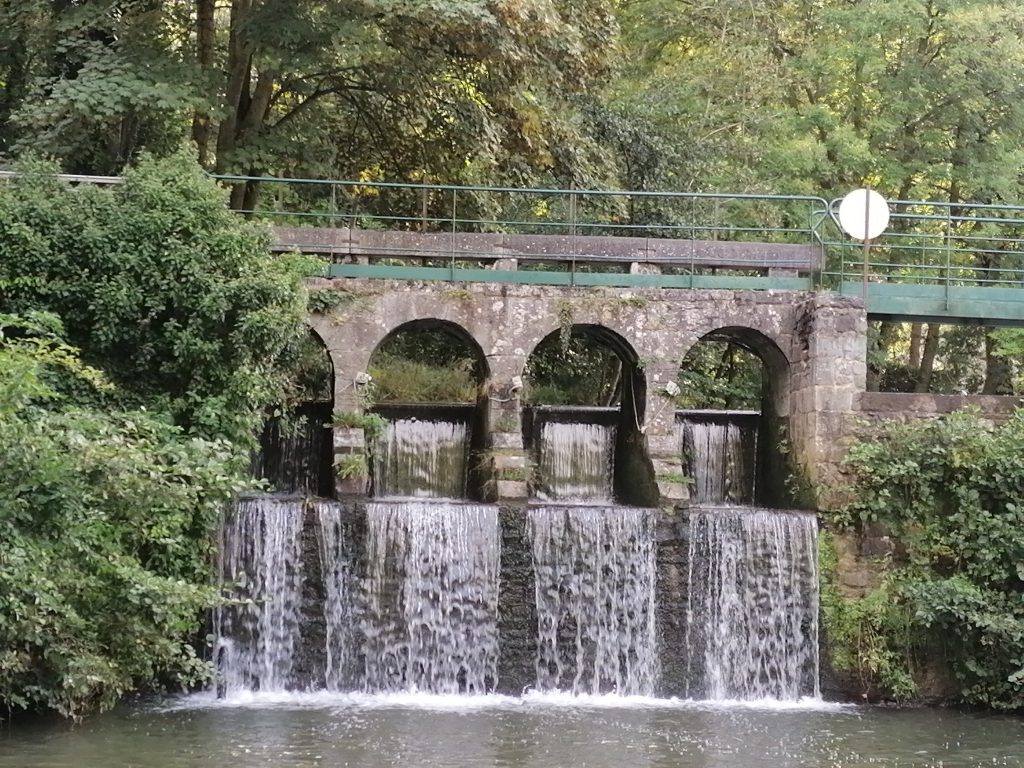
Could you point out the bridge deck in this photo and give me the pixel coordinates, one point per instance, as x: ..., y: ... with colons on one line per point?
x: 486, y: 248
x: 626, y: 262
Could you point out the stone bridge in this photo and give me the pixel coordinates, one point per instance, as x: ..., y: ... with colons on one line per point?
x: 812, y: 345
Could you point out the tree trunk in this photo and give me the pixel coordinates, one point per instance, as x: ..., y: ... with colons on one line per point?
x: 206, y: 32
x: 916, y: 339
x: 998, y: 374
x: 886, y: 336
x: 927, y: 361
x: 236, y: 92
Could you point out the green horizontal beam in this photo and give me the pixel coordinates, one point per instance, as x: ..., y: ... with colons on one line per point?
x: 582, y: 279
x: 940, y: 303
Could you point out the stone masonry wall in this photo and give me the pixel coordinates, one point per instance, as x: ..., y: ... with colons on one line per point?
x: 812, y: 344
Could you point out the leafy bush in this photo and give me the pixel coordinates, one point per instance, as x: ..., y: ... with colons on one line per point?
x: 112, y: 480
x: 176, y: 298
x: 106, y: 520
x: 871, y: 639
x: 952, y: 491
x: 400, y: 380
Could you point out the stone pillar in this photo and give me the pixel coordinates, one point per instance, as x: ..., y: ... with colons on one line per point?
x: 826, y: 378
x: 661, y: 433
x: 511, y: 464
x: 351, y: 459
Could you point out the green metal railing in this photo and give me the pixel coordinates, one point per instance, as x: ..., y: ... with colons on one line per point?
x: 934, y: 242
x: 572, y: 214
x: 936, y: 260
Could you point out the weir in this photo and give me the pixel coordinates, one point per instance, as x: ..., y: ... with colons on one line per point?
x: 258, y: 637
x: 431, y: 588
x: 719, y: 450
x: 575, y: 462
x: 594, y: 570
x: 752, y: 619
x: 570, y: 593
x: 421, y: 458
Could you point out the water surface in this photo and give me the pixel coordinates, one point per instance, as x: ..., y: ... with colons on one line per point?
x: 536, y: 731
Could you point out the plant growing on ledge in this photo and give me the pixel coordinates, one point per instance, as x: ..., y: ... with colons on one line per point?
x: 372, y: 424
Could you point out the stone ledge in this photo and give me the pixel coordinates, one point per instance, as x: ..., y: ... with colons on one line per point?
x: 923, y: 405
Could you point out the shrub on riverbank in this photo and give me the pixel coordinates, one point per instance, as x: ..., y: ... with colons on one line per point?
x: 144, y: 331
x: 951, y: 491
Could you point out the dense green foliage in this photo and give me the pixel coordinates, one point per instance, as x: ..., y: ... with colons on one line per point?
x: 573, y: 368
x: 952, y: 492
x: 145, y: 331
x: 105, y: 521
x: 172, y: 295
x: 401, y: 380
x: 431, y: 364
x: 919, y: 99
x: 719, y: 374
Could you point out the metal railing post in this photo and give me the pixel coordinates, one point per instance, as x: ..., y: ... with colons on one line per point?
x: 572, y: 233
x: 949, y: 247
x: 452, y: 261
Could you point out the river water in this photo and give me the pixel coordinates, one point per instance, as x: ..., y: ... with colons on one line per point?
x: 542, y: 731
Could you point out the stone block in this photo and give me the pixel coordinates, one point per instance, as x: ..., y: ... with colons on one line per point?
x: 505, y: 461
x: 506, y: 440
x: 511, y: 489
x: 506, y: 265
x: 347, y: 437
x: 673, y: 492
x: 664, y: 445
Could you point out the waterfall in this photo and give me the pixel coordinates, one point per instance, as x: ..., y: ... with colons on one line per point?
x: 752, y: 615
x: 261, y: 556
x: 721, y: 456
x: 594, y: 570
x: 575, y: 462
x: 341, y: 587
x: 421, y: 458
x: 431, y: 602
x: 295, y: 451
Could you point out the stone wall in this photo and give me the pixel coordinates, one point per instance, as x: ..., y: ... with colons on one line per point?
x: 901, y: 406
x: 813, y: 347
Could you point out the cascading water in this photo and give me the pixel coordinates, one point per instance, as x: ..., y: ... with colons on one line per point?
x: 341, y: 589
x: 721, y: 457
x: 753, y: 604
x: 575, y: 462
x: 431, y: 602
x: 261, y: 556
x: 421, y: 458
x: 594, y: 570
x: 295, y: 451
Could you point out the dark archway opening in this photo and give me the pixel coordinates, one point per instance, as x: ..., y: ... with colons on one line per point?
x: 428, y: 382
x: 733, y: 412
x: 296, y: 444
x: 589, y: 375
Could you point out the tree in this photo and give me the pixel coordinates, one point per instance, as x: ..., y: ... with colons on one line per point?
x: 412, y: 89
x: 160, y: 285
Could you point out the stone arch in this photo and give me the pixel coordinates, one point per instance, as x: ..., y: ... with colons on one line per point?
x: 772, y: 412
x: 296, y: 441
x: 633, y: 475
x: 775, y: 361
x: 320, y: 342
x: 446, y: 327
x: 452, y: 402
